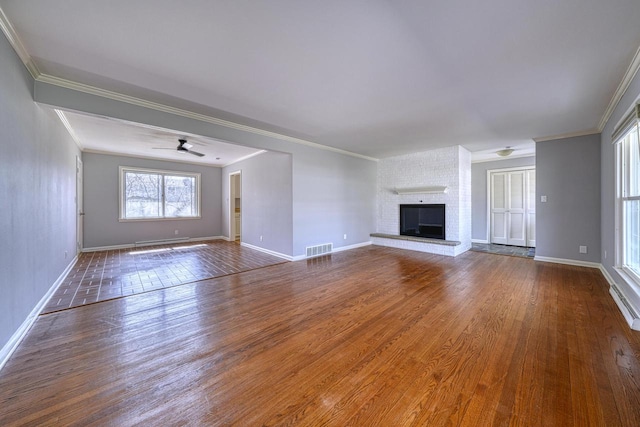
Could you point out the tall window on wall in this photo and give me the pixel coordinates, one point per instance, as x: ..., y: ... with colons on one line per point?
x: 627, y: 140
x: 147, y: 194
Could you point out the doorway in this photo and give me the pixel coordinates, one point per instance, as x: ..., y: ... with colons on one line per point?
x: 235, y: 206
x: 79, y: 206
x: 512, y: 216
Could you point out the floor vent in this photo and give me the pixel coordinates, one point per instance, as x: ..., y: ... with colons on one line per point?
x: 319, y: 250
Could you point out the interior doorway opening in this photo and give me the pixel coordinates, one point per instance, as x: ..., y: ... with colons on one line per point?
x: 235, y: 206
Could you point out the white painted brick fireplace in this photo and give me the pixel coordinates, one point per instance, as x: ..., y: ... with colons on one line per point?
x: 450, y: 167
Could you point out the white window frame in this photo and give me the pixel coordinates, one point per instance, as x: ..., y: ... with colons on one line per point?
x: 121, y: 198
x: 631, y: 123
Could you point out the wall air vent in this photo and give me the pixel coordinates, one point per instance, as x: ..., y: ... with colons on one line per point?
x: 318, y: 250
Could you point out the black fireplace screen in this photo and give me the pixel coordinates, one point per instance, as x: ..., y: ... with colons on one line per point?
x: 422, y: 221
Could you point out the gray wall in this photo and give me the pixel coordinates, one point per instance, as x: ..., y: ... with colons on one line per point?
x: 101, y: 225
x: 479, y: 191
x: 333, y: 193
x: 568, y: 173
x: 37, y: 189
x: 266, y: 201
x: 608, y: 183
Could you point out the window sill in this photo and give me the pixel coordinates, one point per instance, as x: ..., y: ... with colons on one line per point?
x: 182, y: 218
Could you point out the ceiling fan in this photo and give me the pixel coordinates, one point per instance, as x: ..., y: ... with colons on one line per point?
x: 183, y: 147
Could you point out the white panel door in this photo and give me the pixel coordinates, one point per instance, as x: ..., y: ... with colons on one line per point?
x: 499, y: 225
x: 512, y: 220
x: 516, y: 209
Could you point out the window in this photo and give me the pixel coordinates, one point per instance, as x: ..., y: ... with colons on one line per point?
x: 628, y: 198
x: 153, y: 194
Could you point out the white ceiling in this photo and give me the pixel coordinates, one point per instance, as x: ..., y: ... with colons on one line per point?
x: 104, y: 135
x: 374, y: 77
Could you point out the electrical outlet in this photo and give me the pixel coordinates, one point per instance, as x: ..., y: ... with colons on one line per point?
x: 344, y: 237
x: 176, y: 232
x: 261, y: 238
x: 583, y: 249
x: 605, y: 254
x: 543, y: 199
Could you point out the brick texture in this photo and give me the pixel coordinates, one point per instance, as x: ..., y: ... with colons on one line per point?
x: 450, y: 166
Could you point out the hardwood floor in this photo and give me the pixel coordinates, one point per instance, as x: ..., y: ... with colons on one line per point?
x: 372, y: 336
x: 103, y: 275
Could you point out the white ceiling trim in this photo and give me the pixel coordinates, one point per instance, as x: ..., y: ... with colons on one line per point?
x: 17, y: 45
x: 245, y: 158
x: 498, y: 159
x: 67, y: 125
x: 622, y: 88
x: 568, y: 135
x: 80, y: 87
x: 140, y: 156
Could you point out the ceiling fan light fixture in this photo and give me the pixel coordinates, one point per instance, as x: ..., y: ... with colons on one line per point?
x: 505, y: 152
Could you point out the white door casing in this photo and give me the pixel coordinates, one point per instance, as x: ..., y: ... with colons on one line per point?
x: 79, y: 206
x: 234, y: 191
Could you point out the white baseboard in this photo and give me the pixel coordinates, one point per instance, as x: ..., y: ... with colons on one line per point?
x: 340, y: 249
x: 133, y: 245
x: 567, y: 261
x: 479, y: 241
x: 355, y: 246
x: 7, y: 350
x: 267, y: 251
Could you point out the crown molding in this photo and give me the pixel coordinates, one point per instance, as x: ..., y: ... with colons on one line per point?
x: 67, y: 125
x: 81, y: 87
x: 245, y: 158
x: 498, y: 159
x: 568, y: 135
x: 622, y: 88
x: 142, y: 156
x: 14, y: 40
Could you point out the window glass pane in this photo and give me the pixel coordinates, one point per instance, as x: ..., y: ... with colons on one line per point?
x: 180, y: 196
x: 142, y: 195
x: 631, y: 209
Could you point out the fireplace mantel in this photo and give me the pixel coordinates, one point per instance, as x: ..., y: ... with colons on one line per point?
x: 433, y: 189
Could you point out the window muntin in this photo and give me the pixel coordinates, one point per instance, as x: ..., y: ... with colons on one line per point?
x: 147, y: 194
x: 628, y: 152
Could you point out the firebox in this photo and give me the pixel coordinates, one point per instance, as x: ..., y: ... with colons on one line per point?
x: 423, y: 221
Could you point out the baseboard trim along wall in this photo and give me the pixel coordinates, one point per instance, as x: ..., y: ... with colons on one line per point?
x: 15, y: 340
x: 340, y: 249
x: 267, y: 251
x: 567, y: 261
x: 486, y: 242
x: 152, y: 243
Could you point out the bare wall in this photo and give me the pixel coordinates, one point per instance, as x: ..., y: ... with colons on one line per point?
x: 568, y: 174
x: 101, y: 192
x: 266, y: 201
x: 37, y: 189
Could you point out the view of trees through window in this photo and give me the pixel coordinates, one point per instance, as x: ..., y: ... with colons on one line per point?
x: 159, y: 195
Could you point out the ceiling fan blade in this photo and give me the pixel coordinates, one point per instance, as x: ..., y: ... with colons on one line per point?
x: 195, y: 153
